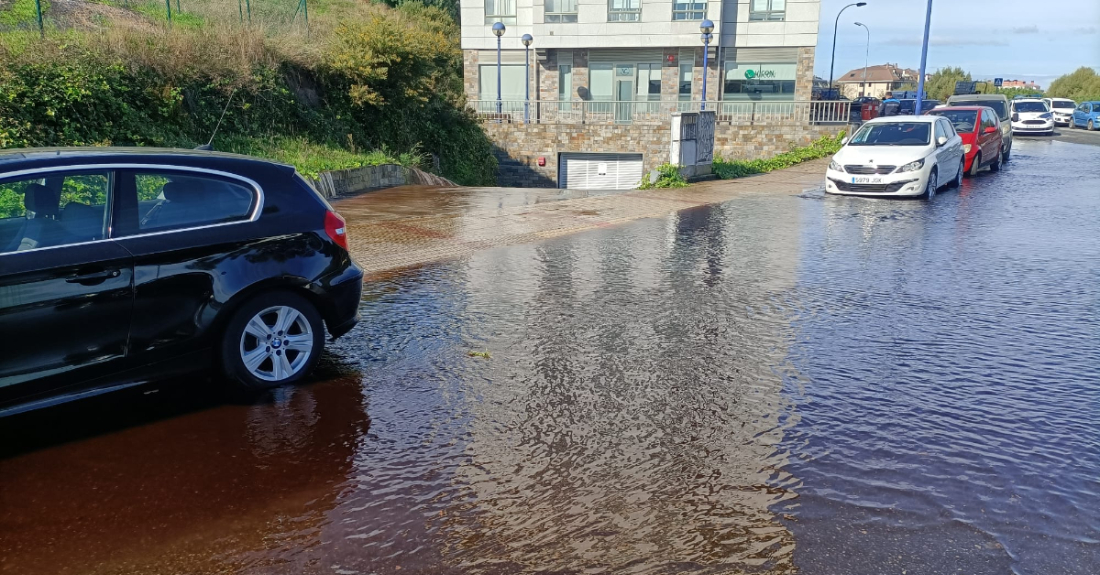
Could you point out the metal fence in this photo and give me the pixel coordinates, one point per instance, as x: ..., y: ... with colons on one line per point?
x: 656, y: 112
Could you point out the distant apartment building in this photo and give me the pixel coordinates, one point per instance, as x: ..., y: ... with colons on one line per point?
x: 876, y: 80
x: 1021, y: 84
x: 641, y: 50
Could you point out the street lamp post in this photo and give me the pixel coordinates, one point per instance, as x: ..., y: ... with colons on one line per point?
x: 832, y: 60
x: 923, y: 60
x: 706, y: 27
x: 866, y: 59
x: 498, y: 31
x: 527, y: 39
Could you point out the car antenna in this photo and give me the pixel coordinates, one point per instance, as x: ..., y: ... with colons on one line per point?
x: 209, y: 145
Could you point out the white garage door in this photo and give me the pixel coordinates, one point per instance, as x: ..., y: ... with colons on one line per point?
x: 599, y: 171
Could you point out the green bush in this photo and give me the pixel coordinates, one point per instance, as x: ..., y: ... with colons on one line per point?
x: 820, y: 148
x: 668, y: 176
x: 388, y: 80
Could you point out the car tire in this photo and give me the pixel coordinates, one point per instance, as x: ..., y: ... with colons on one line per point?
x: 295, y: 338
x: 958, y: 180
x: 932, y: 186
x: 1006, y: 153
x: 1091, y: 127
x: 998, y: 163
x: 976, y: 165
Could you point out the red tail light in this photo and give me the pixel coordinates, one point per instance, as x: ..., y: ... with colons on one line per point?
x: 336, y: 229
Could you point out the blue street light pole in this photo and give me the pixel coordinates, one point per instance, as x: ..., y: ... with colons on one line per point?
x: 527, y: 39
x: 706, y: 27
x: 923, y: 59
x: 498, y: 31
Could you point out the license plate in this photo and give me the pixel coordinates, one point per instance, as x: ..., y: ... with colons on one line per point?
x: 866, y: 180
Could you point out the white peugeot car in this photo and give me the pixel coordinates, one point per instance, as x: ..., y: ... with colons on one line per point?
x: 898, y: 156
x: 1062, y: 108
x: 1032, y: 116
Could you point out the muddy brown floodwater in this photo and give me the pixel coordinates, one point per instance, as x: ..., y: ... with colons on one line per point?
x: 776, y: 384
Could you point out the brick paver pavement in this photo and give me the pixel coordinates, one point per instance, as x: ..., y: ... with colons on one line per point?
x: 412, y: 225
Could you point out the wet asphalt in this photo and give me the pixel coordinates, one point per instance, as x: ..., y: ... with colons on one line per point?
x: 781, y: 383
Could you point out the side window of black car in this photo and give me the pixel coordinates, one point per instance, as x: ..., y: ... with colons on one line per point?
x: 176, y: 200
x: 53, y: 209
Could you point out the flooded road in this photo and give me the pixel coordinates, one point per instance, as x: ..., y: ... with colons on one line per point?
x: 776, y: 384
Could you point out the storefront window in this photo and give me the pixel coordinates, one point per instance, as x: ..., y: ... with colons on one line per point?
x: 759, y: 81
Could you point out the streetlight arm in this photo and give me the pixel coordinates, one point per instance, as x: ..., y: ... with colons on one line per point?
x: 832, y: 60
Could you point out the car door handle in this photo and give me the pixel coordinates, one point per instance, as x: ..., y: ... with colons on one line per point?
x: 94, y: 277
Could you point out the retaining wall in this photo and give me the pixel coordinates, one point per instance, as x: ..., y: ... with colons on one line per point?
x: 358, y: 180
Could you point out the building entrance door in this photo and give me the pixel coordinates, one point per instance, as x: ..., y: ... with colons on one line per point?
x: 624, y: 92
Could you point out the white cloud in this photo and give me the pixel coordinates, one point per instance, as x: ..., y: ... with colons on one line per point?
x: 1033, y: 29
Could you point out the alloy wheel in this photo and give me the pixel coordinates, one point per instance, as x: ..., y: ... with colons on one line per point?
x: 277, y: 343
x: 932, y: 185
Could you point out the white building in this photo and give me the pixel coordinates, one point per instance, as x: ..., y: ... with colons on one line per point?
x: 641, y: 50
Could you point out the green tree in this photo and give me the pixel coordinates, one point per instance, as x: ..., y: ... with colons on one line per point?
x: 941, y: 83
x: 1081, y: 85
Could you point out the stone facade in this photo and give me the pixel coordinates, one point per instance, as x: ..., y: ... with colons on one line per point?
x: 520, y: 146
x: 765, y: 141
x: 470, y: 74
x: 804, y: 75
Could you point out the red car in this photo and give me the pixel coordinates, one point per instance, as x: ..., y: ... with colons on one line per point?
x: 980, y: 130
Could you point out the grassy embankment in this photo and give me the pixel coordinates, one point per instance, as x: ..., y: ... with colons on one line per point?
x: 370, y: 84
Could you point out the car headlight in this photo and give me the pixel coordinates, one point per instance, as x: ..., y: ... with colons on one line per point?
x: 966, y: 148
x: 835, y: 166
x: 912, y: 166
x: 1046, y: 116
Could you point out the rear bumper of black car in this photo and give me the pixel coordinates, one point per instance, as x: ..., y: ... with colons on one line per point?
x: 344, y: 294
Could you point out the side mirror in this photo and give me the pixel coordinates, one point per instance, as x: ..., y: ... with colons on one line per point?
x: 991, y: 130
x: 844, y: 140
x: 1015, y: 117
x: 941, y: 140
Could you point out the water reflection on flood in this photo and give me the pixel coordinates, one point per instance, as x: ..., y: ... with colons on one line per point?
x: 774, y: 385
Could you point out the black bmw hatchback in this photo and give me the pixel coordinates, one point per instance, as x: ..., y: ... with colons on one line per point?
x: 120, y: 266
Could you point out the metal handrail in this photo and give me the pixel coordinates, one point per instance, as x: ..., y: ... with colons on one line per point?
x: 733, y: 112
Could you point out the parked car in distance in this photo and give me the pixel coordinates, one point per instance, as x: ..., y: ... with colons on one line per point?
x: 980, y: 130
x: 898, y: 156
x: 120, y: 266
x: 909, y: 107
x: 1032, y: 116
x: 1087, y: 115
x: 1062, y: 108
x: 1000, y: 103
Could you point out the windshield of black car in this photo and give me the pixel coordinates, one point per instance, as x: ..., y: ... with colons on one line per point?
x: 1031, y: 107
x: 963, y: 120
x: 996, y: 104
x: 1062, y: 104
x: 894, y: 134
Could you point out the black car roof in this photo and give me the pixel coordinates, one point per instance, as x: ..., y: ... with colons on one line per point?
x: 31, y: 158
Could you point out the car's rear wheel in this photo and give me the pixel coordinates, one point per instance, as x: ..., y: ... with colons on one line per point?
x: 933, y: 185
x: 976, y: 165
x: 274, y: 339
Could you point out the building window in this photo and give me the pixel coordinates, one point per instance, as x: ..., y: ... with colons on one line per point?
x: 759, y: 81
x: 565, y: 77
x: 624, y: 10
x: 511, y: 87
x: 561, y: 11
x: 768, y: 10
x: 688, y: 10
x: 503, y: 11
x: 649, y: 82
x: 686, y: 77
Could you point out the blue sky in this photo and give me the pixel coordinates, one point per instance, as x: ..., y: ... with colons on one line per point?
x: 1014, y: 39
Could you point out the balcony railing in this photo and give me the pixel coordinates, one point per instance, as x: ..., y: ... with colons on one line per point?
x: 657, y: 112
